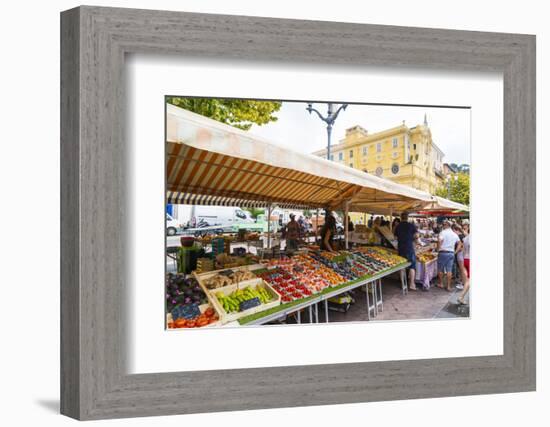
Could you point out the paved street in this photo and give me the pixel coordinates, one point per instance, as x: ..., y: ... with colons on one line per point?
x: 435, y: 303
x: 420, y: 305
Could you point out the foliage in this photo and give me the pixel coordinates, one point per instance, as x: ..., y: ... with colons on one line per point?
x: 254, y: 212
x: 456, y: 189
x: 240, y: 113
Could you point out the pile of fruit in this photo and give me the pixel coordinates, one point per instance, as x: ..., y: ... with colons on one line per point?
x: 228, y: 277
x: 209, y: 316
x: 383, y: 256
x: 426, y: 257
x: 183, y: 291
x: 284, y: 284
x: 300, y: 277
x: 232, y: 303
x: 230, y: 261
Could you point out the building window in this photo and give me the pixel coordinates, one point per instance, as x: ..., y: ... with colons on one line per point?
x: 414, y: 146
x: 379, y: 147
x: 364, y: 151
x: 395, y: 168
x: 394, y: 142
x: 350, y: 154
x: 332, y: 157
x: 395, y: 154
x: 379, y: 171
x: 340, y: 156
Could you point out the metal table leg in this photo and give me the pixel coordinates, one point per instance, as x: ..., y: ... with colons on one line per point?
x: 374, y: 297
x: 299, y: 317
x: 316, y: 313
x: 310, y: 314
x: 380, y: 292
x: 326, y: 310
x: 404, y: 287
x: 368, y: 302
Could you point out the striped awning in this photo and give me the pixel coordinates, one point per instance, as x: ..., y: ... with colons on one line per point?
x: 208, y: 158
x: 178, y: 198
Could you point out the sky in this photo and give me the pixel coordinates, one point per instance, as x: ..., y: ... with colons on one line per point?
x: 299, y: 130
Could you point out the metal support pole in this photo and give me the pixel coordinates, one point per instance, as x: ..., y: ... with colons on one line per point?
x: 326, y: 311
x: 310, y: 314
x: 299, y: 317
x: 346, y: 223
x: 329, y: 133
x: 317, y: 226
x: 269, y: 226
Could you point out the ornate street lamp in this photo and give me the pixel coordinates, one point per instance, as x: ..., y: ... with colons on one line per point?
x: 329, y: 119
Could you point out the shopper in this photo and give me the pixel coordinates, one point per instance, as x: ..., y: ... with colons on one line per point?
x: 302, y: 223
x: 327, y: 232
x: 448, y: 244
x: 292, y: 234
x: 370, y: 222
x: 407, y: 233
x: 350, y: 224
x: 466, y: 243
x: 460, y: 257
x: 394, y: 225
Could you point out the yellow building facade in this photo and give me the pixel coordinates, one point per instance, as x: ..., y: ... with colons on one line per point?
x: 402, y: 154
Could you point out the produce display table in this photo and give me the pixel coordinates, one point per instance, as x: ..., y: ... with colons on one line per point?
x: 373, y: 282
x: 425, y: 272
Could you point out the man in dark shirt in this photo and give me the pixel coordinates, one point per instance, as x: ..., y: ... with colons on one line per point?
x: 293, y: 232
x: 406, y: 234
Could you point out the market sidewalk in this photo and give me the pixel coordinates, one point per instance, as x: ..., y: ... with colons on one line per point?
x: 435, y: 303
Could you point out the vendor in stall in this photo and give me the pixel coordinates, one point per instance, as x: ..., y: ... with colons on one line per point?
x: 328, y: 231
x: 406, y: 234
x: 292, y: 234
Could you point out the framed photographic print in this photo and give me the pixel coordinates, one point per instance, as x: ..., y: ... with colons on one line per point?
x: 256, y: 215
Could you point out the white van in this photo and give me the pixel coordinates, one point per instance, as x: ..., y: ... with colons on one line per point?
x: 223, y: 216
x: 172, y: 226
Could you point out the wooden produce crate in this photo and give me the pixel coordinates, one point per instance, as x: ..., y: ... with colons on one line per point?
x: 226, y: 290
x: 202, y: 308
x: 203, y: 277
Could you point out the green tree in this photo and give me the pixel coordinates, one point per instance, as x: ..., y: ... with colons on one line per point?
x: 240, y: 113
x: 254, y: 212
x: 457, y: 190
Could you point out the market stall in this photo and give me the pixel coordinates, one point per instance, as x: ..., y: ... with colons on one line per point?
x: 212, y: 163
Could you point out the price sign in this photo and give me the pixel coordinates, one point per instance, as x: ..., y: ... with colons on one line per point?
x: 249, y: 303
x: 189, y: 311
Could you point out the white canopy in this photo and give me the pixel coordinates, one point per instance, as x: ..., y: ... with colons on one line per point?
x: 209, y: 158
x: 441, y: 204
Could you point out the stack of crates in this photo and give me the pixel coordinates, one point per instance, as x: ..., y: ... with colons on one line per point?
x: 218, y: 245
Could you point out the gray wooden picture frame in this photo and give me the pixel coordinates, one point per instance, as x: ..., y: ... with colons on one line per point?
x: 94, y: 41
